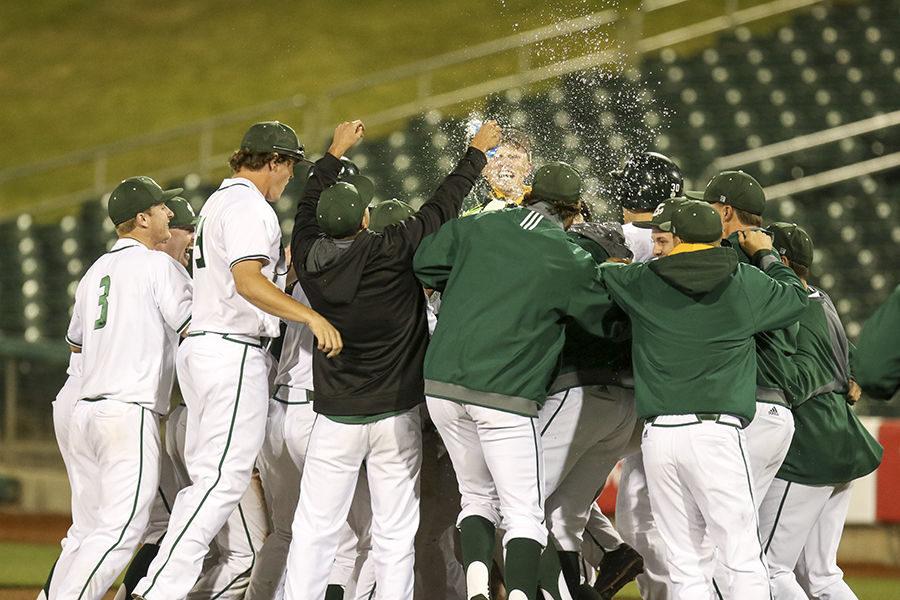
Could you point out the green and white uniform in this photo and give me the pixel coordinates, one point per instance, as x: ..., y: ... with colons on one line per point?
x: 876, y: 360
x: 130, y: 307
x: 803, y: 513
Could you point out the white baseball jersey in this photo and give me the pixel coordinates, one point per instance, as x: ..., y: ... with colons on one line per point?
x: 130, y: 307
x: 75, y: 365
x: 235, y: 224
x: 295, y: 367
x: 639, y: 242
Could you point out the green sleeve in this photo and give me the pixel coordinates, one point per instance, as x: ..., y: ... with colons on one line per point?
x: 876, y: 361
x: 590, y: 304
x: 778, y: 296
x: 812, y: 363
x: 436, y: 255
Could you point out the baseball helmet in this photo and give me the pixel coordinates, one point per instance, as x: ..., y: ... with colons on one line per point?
x: 646, y: 180
x: 348, y: 167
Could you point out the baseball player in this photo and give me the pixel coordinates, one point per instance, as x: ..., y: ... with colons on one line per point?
x: 739, y: 201
x: 387, y: 213
x: 506, y: 175
x: 589, y: 416
x: 130, y: 307
x: 646, y: 180
x: 802, y: 516
x: 876, y: 362
x: 281, y: 461
x: 693, y: 316
x: 484, y: 401
x: 366, y: 400
x: 239, y: 270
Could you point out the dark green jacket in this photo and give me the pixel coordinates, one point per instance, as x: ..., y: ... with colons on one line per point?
x: 830, y: 445
x: 876, y: 361
x: 510, y: 280
x: 590, y: 360
x: 773, y: 351
x: 693, y: 318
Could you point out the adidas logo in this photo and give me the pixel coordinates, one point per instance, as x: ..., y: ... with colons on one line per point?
x: 773, y: 411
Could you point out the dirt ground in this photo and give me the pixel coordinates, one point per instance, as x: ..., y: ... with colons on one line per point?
x: 32, y: 529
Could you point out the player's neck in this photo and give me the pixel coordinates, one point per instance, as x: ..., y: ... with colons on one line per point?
x: 630, y: 217
x: 257, y: 178
x: 137, y: 236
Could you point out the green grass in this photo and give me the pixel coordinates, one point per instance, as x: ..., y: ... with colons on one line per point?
x: 86, y: 73
x: 27, y: 565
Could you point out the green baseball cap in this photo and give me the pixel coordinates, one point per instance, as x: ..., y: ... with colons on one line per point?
x: 340, y: 210
x: 662, y: 214
x: 272, y: 136
x: 791, y: 240
x: 695, y: 222
x: 736, y: 189
x: 184, y: 216
x: 363, y: 185
x: 558, y: 182
x: 135, y: 195
x: 387, y: 213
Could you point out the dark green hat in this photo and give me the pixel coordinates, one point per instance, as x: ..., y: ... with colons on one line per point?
x: 662, y: 214
x: 272, y: 136
x: 790, y: 240
x: 695, y: 222
x: 340, y: 210
x: 363, y: 185
x: 734, y: 188
x: 183, y: 213
x: 135, y: 195
x: 558, y: 182
x: 387, y: 213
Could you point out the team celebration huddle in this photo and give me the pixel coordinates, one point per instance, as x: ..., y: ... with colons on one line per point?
x: 499, y: 335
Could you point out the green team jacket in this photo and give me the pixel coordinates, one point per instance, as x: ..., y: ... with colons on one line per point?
x: 693, y: 318
x: 590, y: 360
x: 830, y: 445
x: 876, y: 360
x: 510, y: 280
x: 773, y: 352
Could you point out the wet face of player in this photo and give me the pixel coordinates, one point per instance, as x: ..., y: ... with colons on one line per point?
x: 663, y: 242
x: 507, y: 170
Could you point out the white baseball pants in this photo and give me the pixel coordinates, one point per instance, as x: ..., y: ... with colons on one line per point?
x: 225, y: 387
x: 584, y: 432
x: 499, y: 466
x: 769, y: 437
x: 700, y: 484
x: 82, y: 497
x: 114, y: 451
x: 392, y: 451
x: 801, y: 527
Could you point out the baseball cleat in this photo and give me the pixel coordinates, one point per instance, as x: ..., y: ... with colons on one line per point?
x: 617, y: 568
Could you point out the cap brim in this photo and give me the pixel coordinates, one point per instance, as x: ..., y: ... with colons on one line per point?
x: 694, y: 195
x: 290, y: 152
x: 169, y: 194
x: 644, y: 224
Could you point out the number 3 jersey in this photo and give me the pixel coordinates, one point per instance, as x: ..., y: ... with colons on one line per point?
x: 236, y: 224
x: 130, y: 308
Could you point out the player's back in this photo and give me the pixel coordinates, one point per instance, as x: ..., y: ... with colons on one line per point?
x: 129, y: 307
x: 504, y: 305
x: 235, y: 224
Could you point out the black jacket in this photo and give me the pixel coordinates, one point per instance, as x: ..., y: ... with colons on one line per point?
x: 368, y: 291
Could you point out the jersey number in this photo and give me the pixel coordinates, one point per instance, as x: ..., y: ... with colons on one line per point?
x: 100, y: 323
x: 199, y: 261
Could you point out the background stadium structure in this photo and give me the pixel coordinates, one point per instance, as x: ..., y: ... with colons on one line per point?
x: 801, y: 94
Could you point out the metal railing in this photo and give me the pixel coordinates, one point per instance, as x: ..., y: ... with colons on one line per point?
x: 316, y: 113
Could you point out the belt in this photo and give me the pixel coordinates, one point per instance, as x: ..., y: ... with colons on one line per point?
x: 696, y: 419
x: 291, y: 395
x: 771, y: 396
x: 237, y: 338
